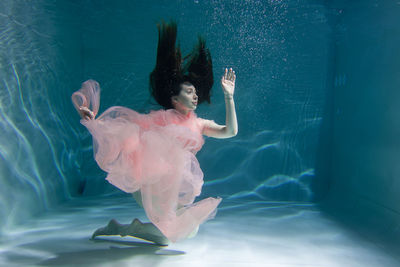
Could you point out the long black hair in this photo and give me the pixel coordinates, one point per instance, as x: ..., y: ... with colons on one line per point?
x: 171, y: 70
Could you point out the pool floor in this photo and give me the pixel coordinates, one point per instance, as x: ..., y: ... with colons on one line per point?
x: 244, y: 233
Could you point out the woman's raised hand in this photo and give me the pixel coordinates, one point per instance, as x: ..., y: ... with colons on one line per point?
x: 86, y: 113
x: 231, y: 126
x: 228, y: 83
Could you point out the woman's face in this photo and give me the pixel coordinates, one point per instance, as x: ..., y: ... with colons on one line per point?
x: 187, y: 98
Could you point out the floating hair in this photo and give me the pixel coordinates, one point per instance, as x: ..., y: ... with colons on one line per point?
x: 199, y: 69
x: 169, y: 73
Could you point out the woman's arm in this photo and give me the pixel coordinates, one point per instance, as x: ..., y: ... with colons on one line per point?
x: 231, y: 128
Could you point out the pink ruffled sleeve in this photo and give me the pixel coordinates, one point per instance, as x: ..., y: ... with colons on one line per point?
x: 202, y: 123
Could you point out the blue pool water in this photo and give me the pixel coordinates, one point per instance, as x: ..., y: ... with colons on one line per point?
x: 316, y: 153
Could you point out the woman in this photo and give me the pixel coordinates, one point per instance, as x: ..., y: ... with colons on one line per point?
x: 153, y: 155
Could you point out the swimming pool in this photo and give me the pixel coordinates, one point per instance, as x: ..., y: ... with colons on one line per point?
x: 316, y: 145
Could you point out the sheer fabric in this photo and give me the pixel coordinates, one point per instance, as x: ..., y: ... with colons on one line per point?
x: 153, y: 153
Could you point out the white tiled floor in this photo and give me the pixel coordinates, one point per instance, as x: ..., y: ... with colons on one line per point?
x: 242, y: 234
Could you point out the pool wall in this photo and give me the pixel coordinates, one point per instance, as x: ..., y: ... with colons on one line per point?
x: 362, y: 122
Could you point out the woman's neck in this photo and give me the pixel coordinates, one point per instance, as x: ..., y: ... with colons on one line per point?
x: 183, y: 111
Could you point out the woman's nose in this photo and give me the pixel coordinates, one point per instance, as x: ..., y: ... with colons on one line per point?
x: 195, y: 97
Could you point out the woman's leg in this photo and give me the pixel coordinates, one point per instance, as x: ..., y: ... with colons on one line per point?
x: 138, y: 198
x: 147, y: 231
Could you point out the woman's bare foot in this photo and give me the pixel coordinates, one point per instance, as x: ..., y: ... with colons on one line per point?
x: 112, y: 228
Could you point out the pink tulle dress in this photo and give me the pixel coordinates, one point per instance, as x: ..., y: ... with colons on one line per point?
x: 153, y: 153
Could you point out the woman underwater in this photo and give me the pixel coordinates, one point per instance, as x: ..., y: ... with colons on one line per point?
x: 153, y: 155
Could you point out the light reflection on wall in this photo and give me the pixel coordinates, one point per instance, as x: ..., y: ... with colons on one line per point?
x: 35, y: 161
